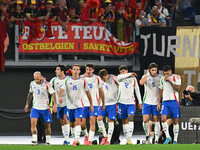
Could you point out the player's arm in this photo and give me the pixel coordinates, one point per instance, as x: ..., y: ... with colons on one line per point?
x: 102, y: 97
x: 53, y: 95
x: 159, y: 99
x: 137, y: 91
x: 28, y: 100
x: 174, y: 86
x: 90, y: 100
x: 144, y: 79
x: 60, y: 95
x: 121, y: 77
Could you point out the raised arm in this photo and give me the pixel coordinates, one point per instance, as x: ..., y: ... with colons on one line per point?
x: 144, y: 79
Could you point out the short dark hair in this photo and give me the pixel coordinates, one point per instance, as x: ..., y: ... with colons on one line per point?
x: 90, y: 66
x: 77, y: 65
x: 62, y: 67
x: 152, y: 65
x: 122, y: 67
x: 103, y: 72
x: 167, y: 68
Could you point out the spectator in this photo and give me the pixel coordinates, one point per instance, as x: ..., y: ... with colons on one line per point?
x: 18, y: 13
x: 12, y: 4
x: 120, y: 17
x: 32, y: 17
x: 171, y: 6
x: 5, y: 14
x: 107, y: 16
x: 150, y: 4
x: 72, y: 15
x: 82, y: 4
x: 162, y: 10
x: 90, y: 12
x: 140, y: 22
x: 190, y: 97
x: 156, y: 19
x: 141, y: 4
x: 41, y: 5
x: 63, y: 15
x: 128, y: 24
x: 49, y: 16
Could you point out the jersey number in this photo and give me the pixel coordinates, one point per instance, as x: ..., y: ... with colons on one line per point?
x: 38, y: 91
x: 74, y: 87
x: 153, y: 84
x: 126, y: 85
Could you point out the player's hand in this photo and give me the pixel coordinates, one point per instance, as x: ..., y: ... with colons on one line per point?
x: 92, y: 109
x: 54, y: 108
x: 140, y: 106
x: 133, y: 74
x: 159, y: 107
x: 166, y: 78
x: 102, y: 107
x: 60, y: 100
x: 26, y: 108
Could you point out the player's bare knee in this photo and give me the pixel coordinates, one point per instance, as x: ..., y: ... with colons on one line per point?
x: 130, y: 118
x: 99, y: 118
x: 163, y: 119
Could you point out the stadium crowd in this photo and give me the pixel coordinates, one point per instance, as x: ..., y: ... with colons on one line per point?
x: 121, y: 17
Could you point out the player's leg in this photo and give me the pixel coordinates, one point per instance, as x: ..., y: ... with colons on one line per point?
x: 112, y: 112
x: 122, y: 114
x: 78, y: 117
x: 175, y: 114
x: 175, y: 130
x: 146, y: 112
x: 34, y: 118
x: 46, y: 115
x: 164, y: 114
x: 131, y: 112
x: 71, y: 118
x: 34, y: 130
x: 83, y: 124
x: 157, y: 123
x: 101, y: 115
x: 93, y: 117
x: 48, y: 132
x: 62, y: 116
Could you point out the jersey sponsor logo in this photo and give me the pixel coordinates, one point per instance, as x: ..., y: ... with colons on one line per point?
x: 95, y: 113
x: 80, y: 116
x: 132, y: 112
x: 48, y: 120
x: 113, y: 117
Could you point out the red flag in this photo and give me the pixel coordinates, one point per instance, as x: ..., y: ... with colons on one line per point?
x: 3, y: 44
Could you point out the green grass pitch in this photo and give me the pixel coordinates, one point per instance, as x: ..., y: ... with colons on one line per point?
x: 105, y: 147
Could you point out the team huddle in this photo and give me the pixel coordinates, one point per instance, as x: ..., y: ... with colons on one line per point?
x: 79, y: 97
